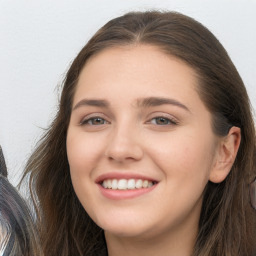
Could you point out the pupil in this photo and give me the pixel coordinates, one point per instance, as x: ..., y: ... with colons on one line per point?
x: 162, y: 120
x: 98, y: 121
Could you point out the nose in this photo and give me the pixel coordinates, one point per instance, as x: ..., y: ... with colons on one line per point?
x: 124, y: 145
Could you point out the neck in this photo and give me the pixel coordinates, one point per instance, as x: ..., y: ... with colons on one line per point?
x: 177, y: 244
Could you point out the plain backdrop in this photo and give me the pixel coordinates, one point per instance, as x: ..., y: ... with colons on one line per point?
x: 40, y: 38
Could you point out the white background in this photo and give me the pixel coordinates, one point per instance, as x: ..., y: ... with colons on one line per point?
x: 39, y: 39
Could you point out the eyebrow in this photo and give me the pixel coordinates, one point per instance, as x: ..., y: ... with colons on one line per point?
x: 158, y: 101
x: 92, y: 102
x: 144, y: 102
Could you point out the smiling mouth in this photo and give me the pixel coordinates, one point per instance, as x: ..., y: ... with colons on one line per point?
x: 127, y: 184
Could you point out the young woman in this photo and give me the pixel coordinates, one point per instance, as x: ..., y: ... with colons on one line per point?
x: 152, y: 149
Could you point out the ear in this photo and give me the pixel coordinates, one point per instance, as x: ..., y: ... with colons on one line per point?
x: 226, y: 155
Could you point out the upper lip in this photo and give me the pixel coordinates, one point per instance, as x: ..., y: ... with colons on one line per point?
x: 119, y: 175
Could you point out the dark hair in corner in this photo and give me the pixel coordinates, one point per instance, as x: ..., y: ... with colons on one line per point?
x: 17, y: 229
x: 227, y: 222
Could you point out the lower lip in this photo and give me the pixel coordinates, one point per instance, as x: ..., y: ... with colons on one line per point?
x: 116, y: 194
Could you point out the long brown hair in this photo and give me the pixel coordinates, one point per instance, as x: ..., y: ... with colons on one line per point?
x: 227, y: 222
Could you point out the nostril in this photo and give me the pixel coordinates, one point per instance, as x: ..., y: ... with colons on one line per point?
x: 124, y: 153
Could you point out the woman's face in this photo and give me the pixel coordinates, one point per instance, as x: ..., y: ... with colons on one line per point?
x: 140, y: 144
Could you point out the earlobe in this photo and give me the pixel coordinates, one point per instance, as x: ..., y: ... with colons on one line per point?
x: 226, y: 155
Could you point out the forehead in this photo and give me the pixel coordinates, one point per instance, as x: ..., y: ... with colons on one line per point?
x: 127, y: 73
x: 137, y: 67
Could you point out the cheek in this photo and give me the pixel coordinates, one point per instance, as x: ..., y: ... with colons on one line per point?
x: 82, y: 157
x: 187, y: 156
x: 81, y: 154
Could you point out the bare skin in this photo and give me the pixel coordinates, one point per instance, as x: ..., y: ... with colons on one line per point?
x: 137, y: 115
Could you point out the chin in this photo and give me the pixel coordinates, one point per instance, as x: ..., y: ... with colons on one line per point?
x: 123, y: 227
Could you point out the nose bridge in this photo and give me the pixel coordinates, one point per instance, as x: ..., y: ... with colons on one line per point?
x: 124, y: 142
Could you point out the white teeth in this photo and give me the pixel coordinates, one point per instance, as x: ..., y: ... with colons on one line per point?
x: 138, y: 184
x: 114, y: 184
x: 124, y: 184
x: 109, y: 183
x: 131, y: 184
x: 145, y: 184
x: 104, y: 184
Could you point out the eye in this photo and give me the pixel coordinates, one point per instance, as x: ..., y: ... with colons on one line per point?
x: 162, y: 121
x: 94, y: 121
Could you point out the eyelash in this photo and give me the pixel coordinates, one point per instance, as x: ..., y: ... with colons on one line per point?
x: 89, y: 121
x: 170, y: 121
